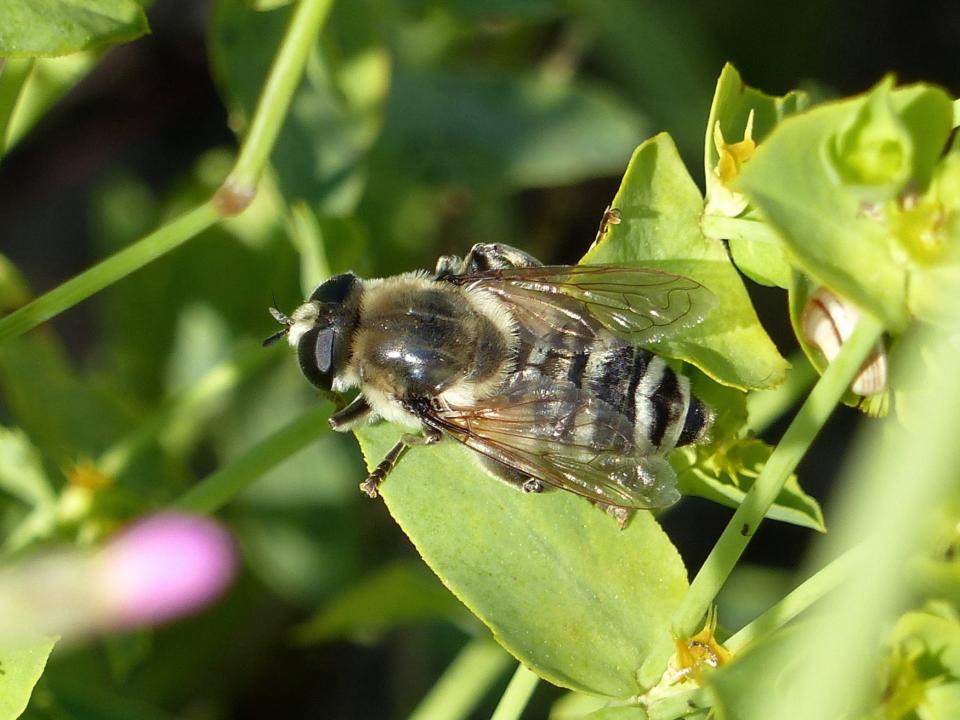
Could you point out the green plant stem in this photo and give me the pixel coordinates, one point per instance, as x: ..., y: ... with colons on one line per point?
x: 218, y: 488
x: 900, y: 479
x: 307, y: 236
x: 285, y: 73
x: 107, y: 272
x: 721, y: 227
x: 464, y: 682
x: 265, y: 125
x: 765, y: 407
x: 49, y: 80
x: 797, y: 600
x: 678, y: 704
x: 517, y: 694
x: 13, y: 78
x: 797, y: 439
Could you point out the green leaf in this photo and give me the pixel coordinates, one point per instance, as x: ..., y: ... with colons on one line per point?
x: 927, y: 115
x: 733, y: 104
x: 516, y: 130
x: 126, y: 652
x: 577, y: 600
x: 35, y: 375
x: 804, y: 179
x: 14, y: 290
x: 936, y: 578
x: 724, y: 468
x: 48, y: 81
x: 13, y: 77
x: 756, y: 252
x: 506, y: 10
x: 756, y: 680
x: 20, y: 668
x: 262, y: 5
x: 660, y: 209
x: 872, y: 153
x: 575, y: 706
x: 337, y: 111
x: 21, y: 470
x: 923, y: 670
x: 931, y: 232
x: 724, y: 476
x: 618, y: 713
x: 363, y: 612
x: 44, y: 28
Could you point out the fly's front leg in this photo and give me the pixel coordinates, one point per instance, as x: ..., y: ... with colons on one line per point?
x: 355, y: 412
x: 371, y: 485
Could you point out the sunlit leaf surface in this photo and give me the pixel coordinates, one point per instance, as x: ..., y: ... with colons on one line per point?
x: 576, y: 599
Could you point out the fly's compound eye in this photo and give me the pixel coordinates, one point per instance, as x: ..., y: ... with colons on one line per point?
x: 315, y: 353
x: 335, y: 290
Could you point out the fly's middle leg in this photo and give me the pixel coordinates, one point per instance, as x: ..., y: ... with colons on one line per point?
x: 371, y: 486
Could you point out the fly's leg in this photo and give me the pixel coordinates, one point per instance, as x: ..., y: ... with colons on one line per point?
x: 531, y: 485
x: 511, y: 476
x: 621, y: 514
x: 448, y: 266
x: 611, y: 216
x: 496, y: 256
x: 356, y: 411
x: 483, y: 257
x: 371, y: 485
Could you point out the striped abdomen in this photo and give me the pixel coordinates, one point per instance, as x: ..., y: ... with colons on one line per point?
x: 654, y: 400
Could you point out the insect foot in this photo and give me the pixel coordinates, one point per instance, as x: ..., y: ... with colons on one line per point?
x: 370, y: 486
x: 532, y: 485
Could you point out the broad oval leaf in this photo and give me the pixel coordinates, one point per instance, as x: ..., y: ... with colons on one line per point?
x: 579, y: 601
x: 660, y: 208
x: 47, y: 28
x: 489, y: 129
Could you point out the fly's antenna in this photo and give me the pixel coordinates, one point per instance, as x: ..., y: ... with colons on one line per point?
x: 283, y: 320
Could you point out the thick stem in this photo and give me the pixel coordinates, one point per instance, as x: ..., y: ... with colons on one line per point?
x: 797, y: 439
x: 765, y: 407
x: 901, y: 478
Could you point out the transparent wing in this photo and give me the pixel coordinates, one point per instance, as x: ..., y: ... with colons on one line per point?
x: 638, y: 304
x: 559, y: 434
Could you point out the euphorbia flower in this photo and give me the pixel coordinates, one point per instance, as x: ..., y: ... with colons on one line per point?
x: 724, y: 201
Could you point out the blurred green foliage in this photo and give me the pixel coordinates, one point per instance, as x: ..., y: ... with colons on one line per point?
x: 419, y: 128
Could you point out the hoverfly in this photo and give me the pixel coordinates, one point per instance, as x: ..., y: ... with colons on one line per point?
x: 539, y: 369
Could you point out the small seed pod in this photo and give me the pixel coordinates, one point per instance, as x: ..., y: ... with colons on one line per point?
x: 827, y: 321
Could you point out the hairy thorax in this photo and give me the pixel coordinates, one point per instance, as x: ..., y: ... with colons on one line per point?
x: 422, y: 338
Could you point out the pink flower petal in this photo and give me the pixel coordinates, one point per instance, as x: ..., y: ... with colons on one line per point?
x: 163, y: 567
